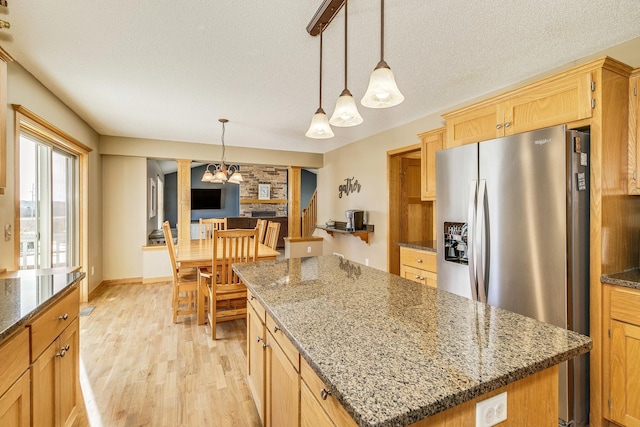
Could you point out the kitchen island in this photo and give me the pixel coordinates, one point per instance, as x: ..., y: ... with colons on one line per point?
x: 393, y: 352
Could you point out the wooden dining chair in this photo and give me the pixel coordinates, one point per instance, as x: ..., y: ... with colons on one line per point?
x: 261, y: 225
x: 208, y: 225
x: 185, y: 285
x: 273, y: 231
x: 227, y: 295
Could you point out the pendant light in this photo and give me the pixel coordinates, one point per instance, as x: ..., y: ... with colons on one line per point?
x: 222, y: 172
x: 320, y: 128
x: 346, y: 112
x: 382, y: 91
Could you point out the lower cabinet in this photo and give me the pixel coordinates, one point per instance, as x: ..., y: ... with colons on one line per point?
x: 418, y: 266
x: 273, y: 366
x: 318, y: 406
x: 15, y: 407
x: 622, y: 355
x: 54, y: 377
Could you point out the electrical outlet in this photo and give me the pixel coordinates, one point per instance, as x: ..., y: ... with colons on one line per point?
x: 366, y: 261
x: 308, y: 249
x: 491, y: 411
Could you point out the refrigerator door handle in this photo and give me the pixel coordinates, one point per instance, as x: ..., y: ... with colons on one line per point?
x: 482, y: 239
x: 471, y: 228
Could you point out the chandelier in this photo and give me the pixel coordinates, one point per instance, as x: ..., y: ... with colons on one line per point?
x: 222, y: 172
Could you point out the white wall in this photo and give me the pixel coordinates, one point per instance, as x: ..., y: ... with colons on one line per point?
x: 25, y: 90
x: 366, y: 161
x: 124, y: 198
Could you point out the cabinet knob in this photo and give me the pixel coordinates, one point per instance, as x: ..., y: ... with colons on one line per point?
x: 417, y: 277
x: 324, y: 393
x: 61, y: 353
x: 63, y: 317
x: 275, y: 329
x: 498, y: 126
x: 507, y: 124
x: 67, y: 347
x: 419, y: 261
x: 252, y: 297
x: 265, y: 345
x: 258, y: 339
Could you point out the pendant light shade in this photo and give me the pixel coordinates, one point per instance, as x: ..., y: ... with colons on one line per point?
x: 346, y: 113
x: 320, y: 128
x: 382, y: 91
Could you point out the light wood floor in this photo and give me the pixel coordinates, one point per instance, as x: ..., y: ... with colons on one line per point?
x: 139, y: 369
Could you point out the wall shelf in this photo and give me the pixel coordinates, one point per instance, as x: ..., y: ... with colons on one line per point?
x: 362, y: 234
x: 270, y: 201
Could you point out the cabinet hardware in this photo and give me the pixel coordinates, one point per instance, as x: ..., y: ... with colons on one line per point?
x: 593, y: 104
x: 419, y: 261
x: 507, y: 124
x: 258, y: 339
x: 635, y: 91
x: 275, y: 329
x: 252, y: 297
x: 265, y: 345
x: 498, y: 126
x: 63, y: 317
x: 593, y: 86
x: 61, y: 353
x: 324, y: 393
x: 609, y: 332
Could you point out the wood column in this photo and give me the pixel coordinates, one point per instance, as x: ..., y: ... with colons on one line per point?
x: 184, y: 199
x: 295, y: 184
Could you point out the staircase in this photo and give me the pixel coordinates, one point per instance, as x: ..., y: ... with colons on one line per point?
x: 310, y: 216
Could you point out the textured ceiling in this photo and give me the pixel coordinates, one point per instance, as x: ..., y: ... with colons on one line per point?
x: 168, y: 70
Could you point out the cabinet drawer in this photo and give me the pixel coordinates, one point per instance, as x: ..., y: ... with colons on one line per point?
x: 287, y: 347
x: 330, y: 404
x: 412, y: 273
x: 625, y: 305
x: 14, y: 358
x: 46, y: 328
x: 259, y: 309
x: 423, y: 260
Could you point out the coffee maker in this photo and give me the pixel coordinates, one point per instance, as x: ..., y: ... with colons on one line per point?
x: 355, y: 220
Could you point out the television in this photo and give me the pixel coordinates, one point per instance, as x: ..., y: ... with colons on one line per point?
x: 206, y: 198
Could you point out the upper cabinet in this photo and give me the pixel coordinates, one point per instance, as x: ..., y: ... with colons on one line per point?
x: 4, y: 58
x: 634, y: 133
x: 552, y: 101
x: 432, y: 142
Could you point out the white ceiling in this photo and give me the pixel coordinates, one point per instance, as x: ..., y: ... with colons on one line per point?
x: 168, y: 70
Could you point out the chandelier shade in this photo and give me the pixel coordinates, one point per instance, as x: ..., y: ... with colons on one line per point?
x: 222, y: 172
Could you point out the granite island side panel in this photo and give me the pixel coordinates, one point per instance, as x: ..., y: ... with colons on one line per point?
x: 394, y: 351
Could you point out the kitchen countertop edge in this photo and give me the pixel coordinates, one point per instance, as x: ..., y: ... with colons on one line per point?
x: 7, y: 332
x: 628, y: 278
x: 426, y: 245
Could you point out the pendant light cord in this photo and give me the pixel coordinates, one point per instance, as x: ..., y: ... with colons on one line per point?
x: 382, y: 31
x: 320, y: 91
x: 345, y: 42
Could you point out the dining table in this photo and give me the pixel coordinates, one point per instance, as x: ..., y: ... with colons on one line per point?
x: 198, y: 253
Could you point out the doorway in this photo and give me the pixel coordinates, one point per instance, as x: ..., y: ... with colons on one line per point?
x: 410, y: 219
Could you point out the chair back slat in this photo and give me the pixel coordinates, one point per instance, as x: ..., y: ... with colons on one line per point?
x: 208, y: 225
x: 273, y: 231
x: 261, y: 225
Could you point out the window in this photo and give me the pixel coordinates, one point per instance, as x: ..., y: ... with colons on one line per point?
x: 52, y: 209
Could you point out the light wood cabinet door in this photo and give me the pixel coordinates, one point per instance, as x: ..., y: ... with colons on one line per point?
x: 256, y: 336
x: 283, y: 387
x: 625, y: 374
x: 15, y: 404
x: 633, y: 174
x: 553, y: 101
x: 311, y: 413
x: 432, y: 142
x: 69, y: 367
x: 54, y: 377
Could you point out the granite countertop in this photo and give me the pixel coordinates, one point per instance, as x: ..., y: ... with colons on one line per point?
x: 393, y: 351
x: 25, y: 296
x: 423, y: 245
x: 629, y: 278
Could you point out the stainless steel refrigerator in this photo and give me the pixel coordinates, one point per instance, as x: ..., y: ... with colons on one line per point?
x: 513, y: 231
